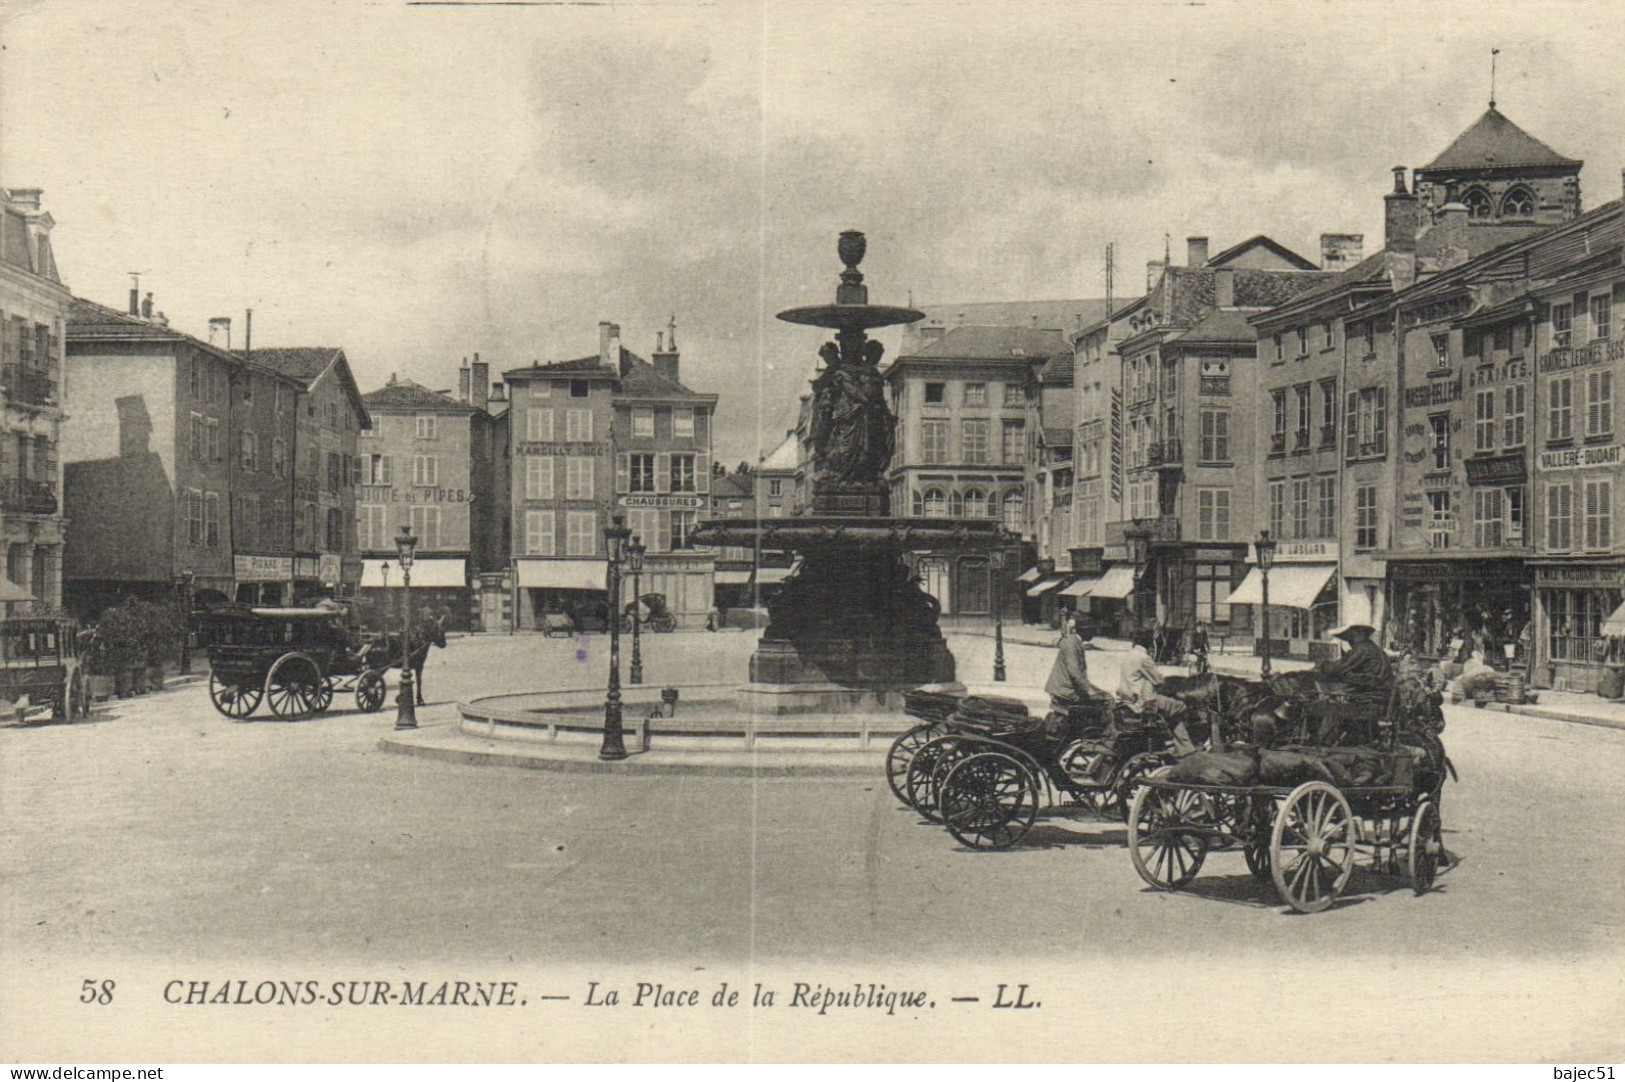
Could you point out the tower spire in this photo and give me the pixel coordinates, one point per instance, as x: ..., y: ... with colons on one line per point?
x: 1493, y: 54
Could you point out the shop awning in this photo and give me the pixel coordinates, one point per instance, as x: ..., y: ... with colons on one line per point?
x: 1614, y: 626
x: 1117, y: 582
x: 772, y: 576
x: 1080, y: 588
x: 10, y: 591
x: 425, y: 572
x: 731, y: 578
x: 1044, y: 586
x: 1029, y: 576
x: 563, y: 574
x: 1292, y: 586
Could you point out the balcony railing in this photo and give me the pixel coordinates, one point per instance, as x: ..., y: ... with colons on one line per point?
x: 1278, y: 443
x: 28, y: 497
x: 1215, y: 384
x: 1300, y: 440
x: 1166, y: 453
x: 28, y: 385
x: 1161, y: 528
x: 1328, y: 435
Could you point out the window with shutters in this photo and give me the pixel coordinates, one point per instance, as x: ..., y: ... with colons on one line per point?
x: 539, y: 539
x: 379, y: 470
x: 1601, y: 317
x: 211, y: 519
x: 1326, y: 506
x: 1514, y: 403
x: 1278, y: 428
x: 1440, y: 424
x: 975, y: 394
x: 581, y: 533
x: 194, y: 516
x: 1441, y: 523
x: 1484, y: 420
x: 538, y: 477
x: 642, y: 475
x: 1512, y: 499
x: 211, y: 439
x: 682, y: 424
x: 196, y: 432
x: 643, y: 422
x: 425, y: 471
x: 644, y: 522
x: 1215, y: 435
x: 1328, y: 413
x: 578, y: 478
x: 1599, y: 403
x: 1015, y: 394
x: 1015, y: 511
x: 1277, y: 509
x: 1559, y: 517
x: 372, y: 520
x: 1599, y: 515
x: 1487, y: 520
x: 1562, y: 325
x: 539, y: 424
x: 1441, y: 351
x: 1300, y: 507
x: 1213, y: 514
x: 427, y: 427
x: 1367, y: 423
x: 1013, y: 442
x: 682, y: 474
x: 933, y: 441
x: 246, y: 529
x: 1560, y: 409
x: 1365, y: 518
x: 578, y: 426
x: 1212, y: 588
x: 195, y: 380
x: 682, y: 525
x: 973, y: 433
x: 335, y: 471
x: 425, y: 522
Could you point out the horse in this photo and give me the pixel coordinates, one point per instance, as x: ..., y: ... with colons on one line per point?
x: 423, y: 635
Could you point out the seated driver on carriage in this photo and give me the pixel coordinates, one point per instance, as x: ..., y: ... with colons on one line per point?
x: 1363, y: 675
x: 1137, y: 688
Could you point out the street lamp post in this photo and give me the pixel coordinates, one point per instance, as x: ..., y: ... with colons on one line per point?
x: 1138, y: 553
x: 406, y: 714
x: 1265, y: 548
x: 184, y: 589
x: 997, y: 563
x: 615, y: 536
x: 634, y: 560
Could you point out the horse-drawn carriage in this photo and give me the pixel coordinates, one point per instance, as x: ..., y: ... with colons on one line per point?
x: 652, y: 613
x: 40, y: 665
x: 294, y: 659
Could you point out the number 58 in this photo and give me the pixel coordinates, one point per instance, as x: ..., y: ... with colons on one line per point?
x: 98, y: 992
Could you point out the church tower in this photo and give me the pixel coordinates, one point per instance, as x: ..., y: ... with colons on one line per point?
x: 1508, y: 180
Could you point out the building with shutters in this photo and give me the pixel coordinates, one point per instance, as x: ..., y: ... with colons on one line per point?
x: 597, y: 436
x: 33, y: 312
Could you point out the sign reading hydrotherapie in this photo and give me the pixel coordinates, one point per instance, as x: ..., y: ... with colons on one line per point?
x: 1577, y: 458
x: 692, y: 503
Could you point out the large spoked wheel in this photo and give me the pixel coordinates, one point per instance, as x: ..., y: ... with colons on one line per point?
x: 1129, y: 776
x: 920, y: 785
x: 324, y: 697
x: 1426, y: 847
x: 663, y: 623
x: 294, y: 687
x: 988, y: 801
x: 900, y: 755
x: 234, y: 700
x: 1165, y: 852
x: 1312, y: 847
x: 369, y: 691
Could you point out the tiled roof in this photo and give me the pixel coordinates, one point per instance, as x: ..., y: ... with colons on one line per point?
x: 733, y: 486
x: 1193, y: 290
x: 1058, y: 372
x: 1372, y: 268
x: 303, y: 363
x: 995, y: 343
x: 786, y: 456
x: 581, y: 366
x: 1261, y: 241
x: 87, y: 319
x: 1220, y: 325
x: 405, y: 394
x: 644, y: 380
x: 1494, y: 142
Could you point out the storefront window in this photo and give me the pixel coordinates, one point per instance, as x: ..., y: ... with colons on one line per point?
x: 1574, y: 624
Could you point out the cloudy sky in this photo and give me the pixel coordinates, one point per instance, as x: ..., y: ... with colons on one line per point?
x: 415, y: 182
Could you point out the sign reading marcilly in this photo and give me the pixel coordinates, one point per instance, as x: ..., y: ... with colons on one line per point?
x: 1577, y: 458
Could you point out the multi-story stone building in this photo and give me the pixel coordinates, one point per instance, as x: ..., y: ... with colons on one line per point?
x: 427, y: 462
x: 33, y: 310
x: 965, y: 449
x: 599, y: 435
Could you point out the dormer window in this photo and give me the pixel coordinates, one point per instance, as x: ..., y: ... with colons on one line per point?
x: 1477, y: 204
x: 1518, y: 204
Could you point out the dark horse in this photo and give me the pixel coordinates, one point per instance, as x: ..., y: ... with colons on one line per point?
x: 386, y: 650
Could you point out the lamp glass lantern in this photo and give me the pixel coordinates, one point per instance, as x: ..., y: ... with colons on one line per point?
x: 1264, y: 548
x: 405, y: 544
x: 634, y: 555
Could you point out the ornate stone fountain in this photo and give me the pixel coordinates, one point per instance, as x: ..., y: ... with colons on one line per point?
x: 851, y: 629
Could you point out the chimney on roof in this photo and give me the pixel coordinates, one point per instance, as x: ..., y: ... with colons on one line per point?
x: 1449, y: 236
x: 1224, y: 287
x: 1153, y: 271
x: 25, y: 198
x: 220, y: 332
x: 1196, y: 251
x: 1340, y: 251
x: 499, y: 393
x: 463, y: 393
x: 480, y: 382
x: 609, y: 345
x: 1400, y: 219
x: 666, y: 355
x: 146, y: 307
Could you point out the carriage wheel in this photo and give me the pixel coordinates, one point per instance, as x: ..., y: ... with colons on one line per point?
x: 294, y: 687
x: 81, y: 697
x: 1426, y: 847
x: 369, y: 691
x: 1258, y: 860
x: 1165, y: 856
x: 1312, y: 847
x: 988, y: 801
x: 234, y: 700
x: 663, y: 623
x: 920, y: 785
x: 900, y: 755
x: 324, y: 697
x: 1129, y: 776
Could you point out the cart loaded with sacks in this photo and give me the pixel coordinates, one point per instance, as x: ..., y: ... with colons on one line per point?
x: 293, y: 659
x: 984, y: 767
x: 1304, y: 817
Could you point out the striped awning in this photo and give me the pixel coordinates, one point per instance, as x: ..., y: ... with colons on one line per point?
x: 1614, y: 626
x: 1044, y: 586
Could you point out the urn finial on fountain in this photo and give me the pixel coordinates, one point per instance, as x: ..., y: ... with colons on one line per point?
x: 851, y: 247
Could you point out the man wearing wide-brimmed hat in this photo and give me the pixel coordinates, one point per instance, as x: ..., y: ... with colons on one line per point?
x: 1364, y: 668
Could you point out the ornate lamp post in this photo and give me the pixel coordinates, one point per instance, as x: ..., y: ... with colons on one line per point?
x: 1265, y: 549
x: 634, y: 560
x: 1138, y: 553
x: 615, y: 536
x: 406, y: 714
x: 997, y: 563
x: 183, y: 590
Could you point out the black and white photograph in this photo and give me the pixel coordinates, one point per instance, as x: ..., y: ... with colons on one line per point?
x: 761, y: 531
